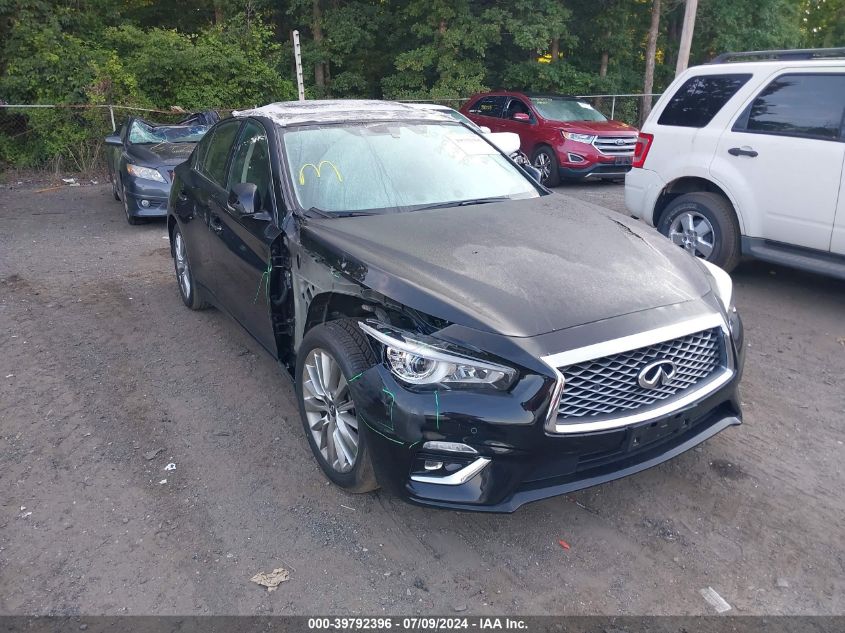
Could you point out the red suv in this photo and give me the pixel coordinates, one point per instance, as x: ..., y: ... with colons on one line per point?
x: 565, y: 137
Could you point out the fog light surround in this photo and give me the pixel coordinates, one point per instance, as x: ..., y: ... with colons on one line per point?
x: 450, y: 447
x: 452, y: 472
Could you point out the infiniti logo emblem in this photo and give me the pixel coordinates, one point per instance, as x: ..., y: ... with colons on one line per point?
x: 660, y: 372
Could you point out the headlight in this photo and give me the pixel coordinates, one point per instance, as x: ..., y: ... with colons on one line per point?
x: 145, y: 172
x: 722, y: 284
x: 417, y: 362
x: 578, y: 138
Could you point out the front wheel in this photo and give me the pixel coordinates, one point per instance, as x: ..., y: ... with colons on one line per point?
x: 191, y: 295
x: 545, y: 161
x: 131, y: 219
x: 704, y: 224
x: 330, y: 356
x: 114, y: 191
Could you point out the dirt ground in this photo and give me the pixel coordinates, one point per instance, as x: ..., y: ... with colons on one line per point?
x: 101, y: 366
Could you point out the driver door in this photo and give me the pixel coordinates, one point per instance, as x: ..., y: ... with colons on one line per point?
x: 241, y: 244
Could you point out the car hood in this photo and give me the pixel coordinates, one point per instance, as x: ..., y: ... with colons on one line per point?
x: 518, y: 268
x: 597, y: 127
x: 162, y: 153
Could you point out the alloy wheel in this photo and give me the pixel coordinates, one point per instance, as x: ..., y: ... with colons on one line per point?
x: 694, y: 233
x: 544, y: 164
x: 330, y: 410
x: 125, y: 200
x: 183, y: 270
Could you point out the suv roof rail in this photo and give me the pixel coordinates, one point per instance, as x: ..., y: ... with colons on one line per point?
x: 797, y: 53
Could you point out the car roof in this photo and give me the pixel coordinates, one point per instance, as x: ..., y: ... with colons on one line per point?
x: 726, y: 68
x: 289, y: 113
x: 428, y: 106
x: 526, y: 95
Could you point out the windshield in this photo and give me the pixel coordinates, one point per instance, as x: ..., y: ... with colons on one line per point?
x: 554, y: 109
x: 383, y: 167
x: 141, y: 133
x: 460, y: 118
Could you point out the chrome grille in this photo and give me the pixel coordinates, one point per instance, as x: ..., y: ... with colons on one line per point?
x: 616, y: 145
x: 609, y: 385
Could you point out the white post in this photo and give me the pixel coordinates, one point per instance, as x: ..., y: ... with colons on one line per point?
x: 297, y: 53
x: 613, y: 107
x: 113, y: 126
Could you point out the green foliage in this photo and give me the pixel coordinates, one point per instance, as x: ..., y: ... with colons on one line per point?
x: 235, y: 64
x: 743, y: 25
x: 200, y: 54
x: 824, y: 23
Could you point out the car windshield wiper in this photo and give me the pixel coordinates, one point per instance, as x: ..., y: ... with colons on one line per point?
x: 462, y: 203
x: 335, y: 214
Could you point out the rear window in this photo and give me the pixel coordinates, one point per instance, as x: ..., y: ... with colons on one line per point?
x: 700, y: 98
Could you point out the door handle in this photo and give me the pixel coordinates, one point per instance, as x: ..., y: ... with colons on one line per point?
x: 215, y: 224
x: 741, y: 151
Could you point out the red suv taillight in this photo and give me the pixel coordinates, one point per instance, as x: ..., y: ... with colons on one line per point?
x: 641, y: 150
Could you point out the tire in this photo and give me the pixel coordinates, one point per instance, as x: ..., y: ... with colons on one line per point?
x: 191, y: 295
x: 131, y: 219
x: 545, y: 160
x: 346, y: 346
x: 114, y: 190
x: 705, y: 225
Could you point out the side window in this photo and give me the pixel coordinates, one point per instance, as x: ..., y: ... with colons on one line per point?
x: 798, y: 105
x: 489, y: 106
x: 214, y: 162
x: 251, y: 163
x: 198, y: 159
x: 700, y: 98
x: 515, y: 106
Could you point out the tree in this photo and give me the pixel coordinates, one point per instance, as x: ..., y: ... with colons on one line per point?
x: 650, y: 56
x: 824, y: 23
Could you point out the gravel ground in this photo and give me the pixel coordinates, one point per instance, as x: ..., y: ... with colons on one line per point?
x: 105, y: 378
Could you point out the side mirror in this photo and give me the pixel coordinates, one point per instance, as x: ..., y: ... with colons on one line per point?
x: 521, y: 116
x: 243, y: 199
x: 484, y: 129
x: 114, y: 140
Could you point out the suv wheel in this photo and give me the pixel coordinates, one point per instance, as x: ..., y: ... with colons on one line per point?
x: 329, y: 356
x: 703, y: 224
x: 545, y: 161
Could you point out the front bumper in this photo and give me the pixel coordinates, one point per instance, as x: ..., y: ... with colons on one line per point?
x: 517, y: 461
x: 146, y: 198
x: 579, y: 161
x: 594, y: 172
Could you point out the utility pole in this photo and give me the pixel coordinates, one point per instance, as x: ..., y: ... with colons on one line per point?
x: 686, y: 36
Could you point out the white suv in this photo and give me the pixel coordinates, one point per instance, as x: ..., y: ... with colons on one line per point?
x: 746, y: 158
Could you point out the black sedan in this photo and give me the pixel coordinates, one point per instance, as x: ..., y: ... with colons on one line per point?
x: 455, y: 331
x: 141, y: 156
